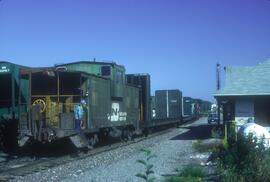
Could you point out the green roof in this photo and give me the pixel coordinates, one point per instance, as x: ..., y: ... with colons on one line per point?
x: 246, y: 80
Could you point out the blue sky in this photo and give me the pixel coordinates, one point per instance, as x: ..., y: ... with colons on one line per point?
x: 177, y: 41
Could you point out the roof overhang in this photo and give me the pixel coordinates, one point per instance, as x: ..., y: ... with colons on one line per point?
x: 51, y: 70
x: 91, y: 62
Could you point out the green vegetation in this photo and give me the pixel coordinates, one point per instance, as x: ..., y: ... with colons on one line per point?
x: 217, y: 132
x: 201, y: 147
x: 183, y: 179
x: 146, y: 175
x: 238, y: 159
x: 244, y: 160
x: 210, y: 145
x: 197, y: 144
x: 190, y: 173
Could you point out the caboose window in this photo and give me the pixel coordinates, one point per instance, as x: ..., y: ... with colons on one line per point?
x: 119, y: 77
x: 44, y: 84
x: 105, y: 70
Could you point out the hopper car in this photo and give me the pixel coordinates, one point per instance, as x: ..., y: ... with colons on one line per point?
x: 9, y: 106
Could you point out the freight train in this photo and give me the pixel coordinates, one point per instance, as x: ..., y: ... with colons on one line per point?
x: 46, y: 101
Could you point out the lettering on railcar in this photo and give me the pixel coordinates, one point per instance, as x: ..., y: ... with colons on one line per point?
x: 4, y: 69
x: 116, y: 114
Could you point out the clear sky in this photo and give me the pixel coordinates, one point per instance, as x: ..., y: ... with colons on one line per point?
x: 177, y: 41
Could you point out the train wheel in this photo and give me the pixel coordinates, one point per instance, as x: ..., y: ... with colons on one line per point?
x: 93, y: 141
x: 122, y: 137
x: 131, y: 134
x: 127, y: 134
x: 104, y: 135
x: 8, y: 135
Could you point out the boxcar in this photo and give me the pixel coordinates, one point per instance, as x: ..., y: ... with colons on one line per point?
x: 187, y: 108
x: 142, y: 81
x: 197, y: 108
x: 205, y: 107
x: 168, y: 107
x: 162, y: 109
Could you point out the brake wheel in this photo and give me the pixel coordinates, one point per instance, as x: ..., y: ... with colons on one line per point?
x: 41, y: 103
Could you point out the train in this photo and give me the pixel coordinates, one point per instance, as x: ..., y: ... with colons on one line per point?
x: 45, y: 101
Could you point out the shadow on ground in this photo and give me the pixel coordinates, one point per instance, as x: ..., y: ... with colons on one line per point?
x: 199, y: 132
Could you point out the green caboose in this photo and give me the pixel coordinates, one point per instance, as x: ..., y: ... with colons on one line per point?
x: 112, y: 106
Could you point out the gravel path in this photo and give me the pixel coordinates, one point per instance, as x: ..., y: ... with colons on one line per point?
x: 120, y: 164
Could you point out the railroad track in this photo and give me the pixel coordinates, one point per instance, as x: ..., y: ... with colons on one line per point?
x: 39, y: 165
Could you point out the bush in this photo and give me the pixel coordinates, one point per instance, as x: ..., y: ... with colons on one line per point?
x: 245, y: 160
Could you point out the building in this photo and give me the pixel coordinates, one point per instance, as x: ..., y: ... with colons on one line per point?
x: 246, y: 94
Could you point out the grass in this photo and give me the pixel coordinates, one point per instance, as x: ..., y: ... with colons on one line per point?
x: 210, y: 145
x: 217, y: 132
x: 190, y: 173
x: 197, y: 144
x: 184, y: 179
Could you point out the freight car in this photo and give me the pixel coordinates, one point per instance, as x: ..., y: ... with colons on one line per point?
x: 9, y: 84
x: 205, y: 107
x: 197, y: 107
x: 187, y: 109
x: 167, y: 107
x: 143, y: 82
x: 111, y: 106
x: 191, y: 108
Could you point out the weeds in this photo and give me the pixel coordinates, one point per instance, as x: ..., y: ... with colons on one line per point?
x: 244, y: 160
x: 190, y: 173
x: 183, y: 179
x: 198, y: 145
x: 217, y: 132
x: 148, y: 167
x: 207, y: 145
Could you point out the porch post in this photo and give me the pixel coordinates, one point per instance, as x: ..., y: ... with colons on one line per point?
x: 218, y: 111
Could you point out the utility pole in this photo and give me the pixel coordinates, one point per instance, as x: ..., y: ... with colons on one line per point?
x: 218, y: 88
x: 218, y: 76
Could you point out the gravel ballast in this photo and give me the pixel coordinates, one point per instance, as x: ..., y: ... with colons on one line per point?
x: 120, y: 164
